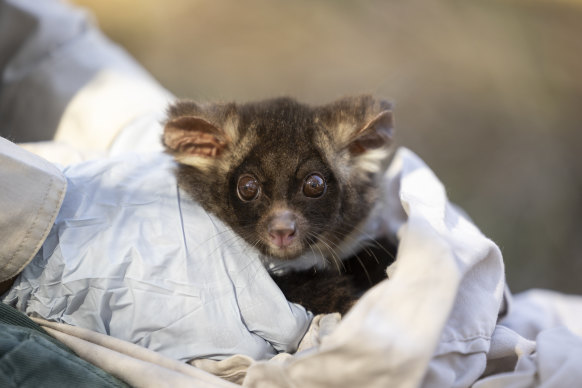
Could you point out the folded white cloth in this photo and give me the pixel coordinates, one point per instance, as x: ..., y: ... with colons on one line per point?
x: 132, y: 256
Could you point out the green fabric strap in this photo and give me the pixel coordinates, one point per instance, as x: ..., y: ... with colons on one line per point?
x: 11, y: 316
x: 30, y: 358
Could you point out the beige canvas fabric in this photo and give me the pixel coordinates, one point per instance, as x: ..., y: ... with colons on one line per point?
x: 31, y: 193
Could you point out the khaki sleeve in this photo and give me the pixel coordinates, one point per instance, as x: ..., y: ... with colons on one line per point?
x: 31, y: 194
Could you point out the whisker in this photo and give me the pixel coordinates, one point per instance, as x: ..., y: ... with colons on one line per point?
x: 210, y: 238
x: 225, y: 243
x: 371, y: 253
x: 369, y: 239
x: 374, y: 241
x: 335, y: 258
x: 314, y: 254
x: 324, y: 258
x: 364, y: 268
x: 333, y: 251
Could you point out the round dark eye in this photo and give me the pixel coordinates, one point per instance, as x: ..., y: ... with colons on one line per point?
x: 248, y: 188
x: 314, y: 186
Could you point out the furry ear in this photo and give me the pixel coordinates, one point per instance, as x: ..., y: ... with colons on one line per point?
x: 374, y: 134
x: 361, y: 129
x: 190, y: 136
x: 358, y: 123
x: 199, y: 135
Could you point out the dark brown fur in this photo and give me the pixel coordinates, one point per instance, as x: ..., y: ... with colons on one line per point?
x: 327, y: 291
x: 280, y: 143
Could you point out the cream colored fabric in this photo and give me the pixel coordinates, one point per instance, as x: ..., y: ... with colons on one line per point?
x: 235, y: 368
x: 31, y: 193
x: 116, y: 98
x: 538, y: 344
x: 434, y: 323
x: 134, y: 364
x: 513, y: 361
x: 430, y: 323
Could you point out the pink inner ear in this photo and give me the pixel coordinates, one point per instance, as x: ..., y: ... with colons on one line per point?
x: 202, y: 144
x: 194, y: 136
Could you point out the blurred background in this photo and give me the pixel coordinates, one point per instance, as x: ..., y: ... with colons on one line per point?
x: 488, y: 93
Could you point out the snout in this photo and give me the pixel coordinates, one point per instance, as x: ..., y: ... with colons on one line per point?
x: 282, y: 228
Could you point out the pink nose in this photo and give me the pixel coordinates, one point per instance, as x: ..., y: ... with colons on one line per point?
x: 282, y: 229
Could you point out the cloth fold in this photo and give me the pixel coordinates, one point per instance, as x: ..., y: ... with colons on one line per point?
x: 431, y: 322
x: 132, y: 256
x: 441, y: 319
x: 27, y: 215
x: 134, y: 364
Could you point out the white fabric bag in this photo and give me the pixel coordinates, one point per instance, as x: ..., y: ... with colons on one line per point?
x: 132, y: 256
